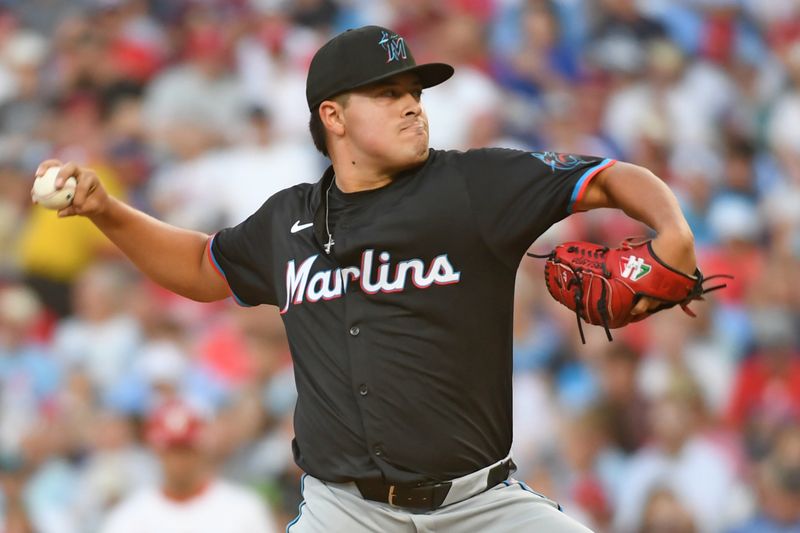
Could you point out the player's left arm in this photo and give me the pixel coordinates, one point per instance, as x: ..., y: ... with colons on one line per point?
x: 645, y: 197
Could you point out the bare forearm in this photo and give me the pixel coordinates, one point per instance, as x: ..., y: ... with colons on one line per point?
x: 172, y: 257
x: 644, y: 197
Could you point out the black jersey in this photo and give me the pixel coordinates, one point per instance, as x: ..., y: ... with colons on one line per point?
x: 401, y: 336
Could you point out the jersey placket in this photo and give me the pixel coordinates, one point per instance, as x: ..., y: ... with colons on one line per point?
x: 356, y: 322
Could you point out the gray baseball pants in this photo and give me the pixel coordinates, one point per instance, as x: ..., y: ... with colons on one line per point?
x: 508, y: 507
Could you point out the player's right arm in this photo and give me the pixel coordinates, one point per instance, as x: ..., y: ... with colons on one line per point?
x: 175, y: 258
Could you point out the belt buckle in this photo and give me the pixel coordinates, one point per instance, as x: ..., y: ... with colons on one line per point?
x: 419, y: 497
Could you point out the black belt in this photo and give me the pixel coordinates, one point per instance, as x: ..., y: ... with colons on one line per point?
x: 426, y: 495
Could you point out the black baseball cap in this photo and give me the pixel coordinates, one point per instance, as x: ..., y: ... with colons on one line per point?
x: 362, y: 56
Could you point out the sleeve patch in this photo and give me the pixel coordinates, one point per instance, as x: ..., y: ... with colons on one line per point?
x: 560, y: 161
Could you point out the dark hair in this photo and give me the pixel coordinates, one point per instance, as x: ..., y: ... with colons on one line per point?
x: 317, y: 128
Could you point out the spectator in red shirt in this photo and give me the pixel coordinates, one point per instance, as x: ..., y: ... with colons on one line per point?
x: 767, y: 388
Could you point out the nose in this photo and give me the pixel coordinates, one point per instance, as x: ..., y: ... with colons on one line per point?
x: 412, y: 106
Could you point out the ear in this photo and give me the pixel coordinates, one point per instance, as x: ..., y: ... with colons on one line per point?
x: 332, y: 115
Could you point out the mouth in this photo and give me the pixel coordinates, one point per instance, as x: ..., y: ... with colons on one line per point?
x: 416, y: 126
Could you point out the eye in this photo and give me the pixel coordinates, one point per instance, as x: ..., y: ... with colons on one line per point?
x: 417, y: 93
x: 389, y: 92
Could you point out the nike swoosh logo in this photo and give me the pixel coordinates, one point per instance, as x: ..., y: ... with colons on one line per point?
x: 300, y: 227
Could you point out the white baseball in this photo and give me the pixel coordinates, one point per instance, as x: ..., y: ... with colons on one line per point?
x: 44, y: 190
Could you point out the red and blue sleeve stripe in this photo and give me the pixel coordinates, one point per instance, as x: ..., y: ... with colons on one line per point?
x: 218, y: 270
x: 582, y: 184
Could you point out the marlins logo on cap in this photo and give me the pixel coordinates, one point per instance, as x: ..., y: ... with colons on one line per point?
x: 394, y: 45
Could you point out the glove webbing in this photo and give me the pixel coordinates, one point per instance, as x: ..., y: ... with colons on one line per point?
x: 577, y: 280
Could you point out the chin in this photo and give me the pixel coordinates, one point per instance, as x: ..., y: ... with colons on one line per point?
x: 418, y: 155
x: 421, y: 147
x: 407, y: 154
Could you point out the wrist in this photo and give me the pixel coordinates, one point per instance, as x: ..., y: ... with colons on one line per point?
x: 675, y: 246
x: 679, y: 236
x: 104, y: 213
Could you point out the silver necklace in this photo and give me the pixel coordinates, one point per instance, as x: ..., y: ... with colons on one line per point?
x: 330, y: 242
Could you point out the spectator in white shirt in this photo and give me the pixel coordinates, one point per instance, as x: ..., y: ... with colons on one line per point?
x: 190, y: 497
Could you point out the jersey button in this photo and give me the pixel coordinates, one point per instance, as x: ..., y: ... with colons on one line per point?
x: 378, y: 451
x: 354, y: 331
x: 363, y: 390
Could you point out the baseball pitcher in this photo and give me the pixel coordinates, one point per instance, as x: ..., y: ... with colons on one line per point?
x: 394, y: 275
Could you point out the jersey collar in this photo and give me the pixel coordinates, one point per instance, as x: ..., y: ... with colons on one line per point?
x: 319, y: 202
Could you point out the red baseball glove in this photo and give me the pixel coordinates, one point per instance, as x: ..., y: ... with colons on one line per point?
x: 603, y: 285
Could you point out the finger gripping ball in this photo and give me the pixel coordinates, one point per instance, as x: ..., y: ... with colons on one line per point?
x: 44, y: 190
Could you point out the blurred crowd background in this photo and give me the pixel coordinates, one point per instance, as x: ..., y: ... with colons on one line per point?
x: 194, y: 111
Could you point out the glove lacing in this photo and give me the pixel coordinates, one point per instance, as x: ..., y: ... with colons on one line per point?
x: 576, y: 279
